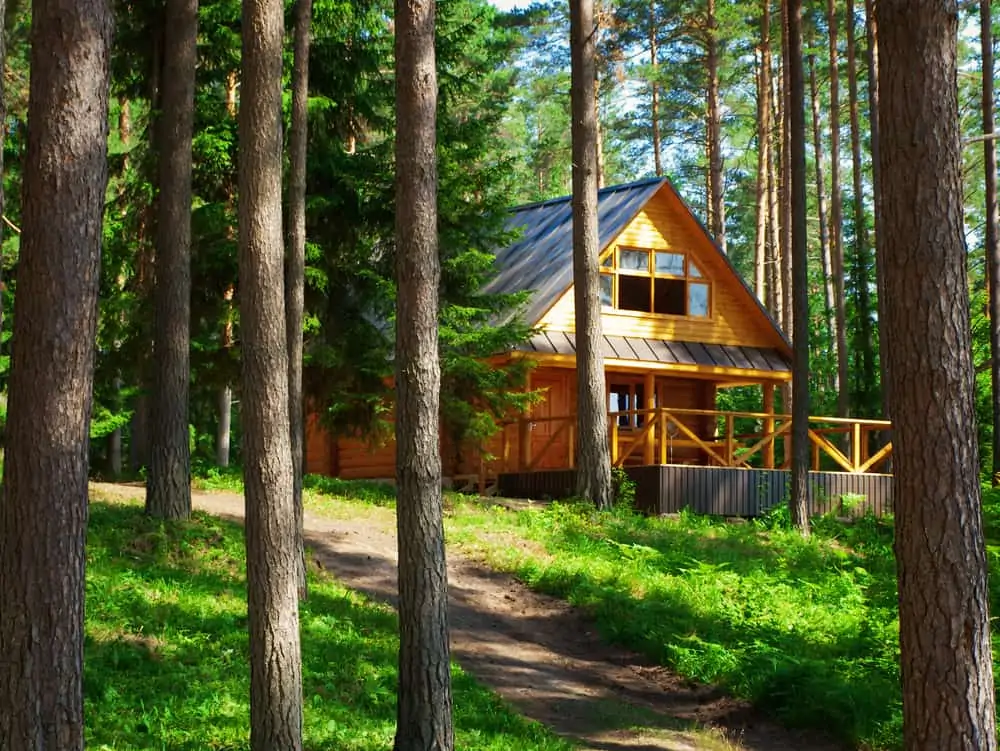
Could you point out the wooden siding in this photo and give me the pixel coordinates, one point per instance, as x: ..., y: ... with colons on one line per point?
x: 665, y: 224
x: 719, y: 491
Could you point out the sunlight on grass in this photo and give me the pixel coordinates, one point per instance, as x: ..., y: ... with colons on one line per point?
x: 166, y: 650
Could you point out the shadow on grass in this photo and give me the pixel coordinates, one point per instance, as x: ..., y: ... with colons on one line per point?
x: 804, y: 629
x: 166, y: 650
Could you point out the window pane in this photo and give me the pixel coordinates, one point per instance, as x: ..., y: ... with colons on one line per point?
x: 607, y: 281
x: 694, y: 270
x: 633, y: 260
x: 668, y: 297
x: 698, y: 300
x: 670, y: 263
x: 609, y: 260
x: 633, y: 293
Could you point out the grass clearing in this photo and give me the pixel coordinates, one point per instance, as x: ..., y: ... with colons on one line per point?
x: 166, y: 650
x: 807, y: 630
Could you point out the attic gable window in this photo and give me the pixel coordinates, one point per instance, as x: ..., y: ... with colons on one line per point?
x: 654, y: 281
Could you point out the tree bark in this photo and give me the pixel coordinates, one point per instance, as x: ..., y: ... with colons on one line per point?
x: 168, y: 487
x: 593, y: 454
x: 222, y: 433
x: 272, y: 554
x: 992, y: 223
x: 296, y: 265
x: 763, y: 151
x: 654, y: 105
x: 799, y: 502
x: 945, y: 653
x: 864, y: 344
x: 837, y: 221
x: 424, y: 721
x: 871, y: 59
x: 824, y: 238
x: 716, y: 199
x: 43, y: 515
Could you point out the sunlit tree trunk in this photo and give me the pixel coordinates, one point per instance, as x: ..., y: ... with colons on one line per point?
x: 824, y: 238
x: 837, y: 220
x: 272, y: 552
x: 593, y: 454
x: 654, y: 104
x: 716, y: 198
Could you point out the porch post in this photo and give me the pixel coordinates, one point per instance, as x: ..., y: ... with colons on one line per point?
x: 524, y: 433
x: 768, y: 424
x: 649, y: 449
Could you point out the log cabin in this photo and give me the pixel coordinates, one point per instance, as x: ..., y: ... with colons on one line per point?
x: 680, y: 326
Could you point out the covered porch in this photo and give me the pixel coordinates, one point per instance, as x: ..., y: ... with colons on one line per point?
x: 712, y: 461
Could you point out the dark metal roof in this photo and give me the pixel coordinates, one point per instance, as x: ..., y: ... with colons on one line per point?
x: 541, y: 260
x: 640, y: 349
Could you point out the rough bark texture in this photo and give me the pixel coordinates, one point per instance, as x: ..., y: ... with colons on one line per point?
x: 716, y: 197
x: 272, y: 555
x: 295, y: 268
x: 43, y: 512
x: 799, y: 501
x: 593, y: 452
x: 992, y: 222
x: 864, y: 346
x: 423, y: 720
x: 168, y: 488
x: 946, y: 667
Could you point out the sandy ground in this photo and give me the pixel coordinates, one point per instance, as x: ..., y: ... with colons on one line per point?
x: 541, y: 655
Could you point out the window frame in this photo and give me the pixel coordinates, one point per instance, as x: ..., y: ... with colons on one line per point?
x: 614, y: 270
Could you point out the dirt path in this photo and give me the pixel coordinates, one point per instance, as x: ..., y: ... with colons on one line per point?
x: 537, y: 652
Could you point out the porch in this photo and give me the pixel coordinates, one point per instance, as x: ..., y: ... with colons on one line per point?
x: 712, y: 461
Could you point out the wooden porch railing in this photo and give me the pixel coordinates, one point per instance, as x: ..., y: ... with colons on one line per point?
x: 694, y: 436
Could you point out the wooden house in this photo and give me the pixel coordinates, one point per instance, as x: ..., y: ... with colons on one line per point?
x: 679, y: 325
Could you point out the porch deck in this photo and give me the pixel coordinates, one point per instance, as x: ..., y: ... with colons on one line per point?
x: 714, y: 462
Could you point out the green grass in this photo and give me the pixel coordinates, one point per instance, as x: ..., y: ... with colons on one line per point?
x: 166, y: 650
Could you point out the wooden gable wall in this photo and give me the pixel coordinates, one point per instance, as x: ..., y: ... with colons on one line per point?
x: 666, y: 224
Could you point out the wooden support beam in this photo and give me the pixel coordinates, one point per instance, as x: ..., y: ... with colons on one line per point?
x: 524, y: 427
x: 856, y: 458
x: 768, y: 423
x: 649, y: 447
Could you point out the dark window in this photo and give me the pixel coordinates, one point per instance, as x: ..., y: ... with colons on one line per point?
x: 669, y: 296
x: 633, y: 293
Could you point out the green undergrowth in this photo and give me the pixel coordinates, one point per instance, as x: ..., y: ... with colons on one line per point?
x: 805, y: 629
x: 166, y: 650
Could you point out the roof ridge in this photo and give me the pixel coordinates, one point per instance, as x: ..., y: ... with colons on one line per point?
x: 602, y: 192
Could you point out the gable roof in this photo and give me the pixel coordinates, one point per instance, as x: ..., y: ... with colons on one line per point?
x: 541, y: 259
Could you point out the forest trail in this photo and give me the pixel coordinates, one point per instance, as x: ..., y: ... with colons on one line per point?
x: 540, y: 654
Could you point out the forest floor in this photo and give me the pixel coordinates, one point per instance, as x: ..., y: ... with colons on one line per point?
x: 540, y: 654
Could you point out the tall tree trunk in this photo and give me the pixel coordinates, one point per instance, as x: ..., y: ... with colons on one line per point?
x: 763, y: 150
x: 871, y: 30
x: 799, y: 502
x: 43, y: 514
x: 824, y: 238
x: 837, y: 220
x: 785, y: 191
x: 272, y: 553
x: 296, y: 268
x: 864, y: 344
x: 223, y: 435
x: 654, y: 86
x: 424, y: 721
x: 716, y: 199
x: 168, y: 487
x: 992, y: 222
x: 593, y: 454
x: 944, y: 625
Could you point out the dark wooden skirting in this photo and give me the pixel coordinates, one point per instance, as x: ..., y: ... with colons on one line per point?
x: 724, y: 491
